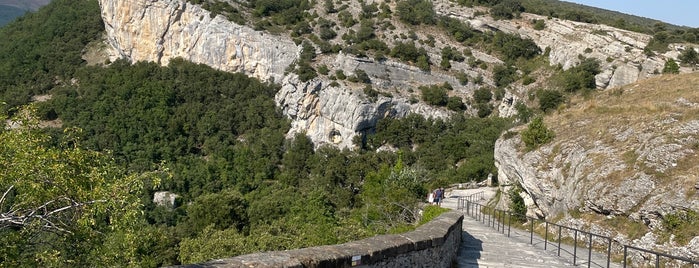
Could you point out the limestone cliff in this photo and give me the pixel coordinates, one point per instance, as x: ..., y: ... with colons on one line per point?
x: 160, y: 30
x: 629, y: 153
x: 153, y: 30
x: 620, y: 52
x: 150, y: 30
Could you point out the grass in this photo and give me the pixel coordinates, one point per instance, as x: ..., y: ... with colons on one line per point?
x: 603, y: 117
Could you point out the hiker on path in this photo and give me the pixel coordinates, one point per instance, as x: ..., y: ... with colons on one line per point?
x: 437, y: 196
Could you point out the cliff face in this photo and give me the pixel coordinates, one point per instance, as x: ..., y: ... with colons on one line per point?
x: 159, y: 30
x: 152, y: 30
x: 620, y: 52
x: 630, y: 154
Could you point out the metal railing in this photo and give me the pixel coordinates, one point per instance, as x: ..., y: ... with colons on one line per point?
x: 657, y: 256
x: 502, y: 220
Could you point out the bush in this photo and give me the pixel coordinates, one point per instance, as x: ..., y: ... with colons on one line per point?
x: 462, y: 77
x: 455, y: 104
x: 434, y: 95
x: 689, y: 56
x: 513, y: 47
x: 484, y: 109
x: 504, y: 75
x: 506, y: 9
x: 550, y: 99
x: 517, y: 205
x: 539, y: 25
x: 581, y: 76
x: 370, y: 92
x: 340, y: 75
x: 430, y: 212
x: 523, y: 112
x: 458, y: 30
x: 536, y: 134
x: 416, y: 12
x: 483, y: 95
x: 671, y: 67
x: 409, y: 52
x: 361, y: 76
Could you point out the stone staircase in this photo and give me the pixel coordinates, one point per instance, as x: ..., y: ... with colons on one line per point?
x: 485, y: 246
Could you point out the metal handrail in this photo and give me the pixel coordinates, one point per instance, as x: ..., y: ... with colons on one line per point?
x: 479, y: 212
x: 657, y: 256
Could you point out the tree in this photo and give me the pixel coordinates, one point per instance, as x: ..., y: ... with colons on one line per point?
x: 671, y: 67
x: 549, y: 99
x: 57, y: 204
x: 220, y: 211
x: 581, y: 76
x: 517, y: 205
x: 504, y: 75
x: 416, y: 12
x: 434, y: 95
x: 689, y: 56
x: 537, y: 133
x: 455, y: 104
x: 483, y: 95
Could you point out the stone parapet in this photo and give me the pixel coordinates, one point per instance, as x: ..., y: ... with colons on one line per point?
x: 434, y: 244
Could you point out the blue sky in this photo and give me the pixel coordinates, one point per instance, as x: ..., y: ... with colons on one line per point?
x: 679, y: 12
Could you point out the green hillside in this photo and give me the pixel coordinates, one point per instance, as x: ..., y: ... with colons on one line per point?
x: 215, y: 139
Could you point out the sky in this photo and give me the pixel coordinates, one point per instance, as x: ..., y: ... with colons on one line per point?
x: 678, y: 12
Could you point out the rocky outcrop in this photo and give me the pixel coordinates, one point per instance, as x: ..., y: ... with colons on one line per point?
x: 334, y: 115
x: 620, y: 52
x: 158, y: 31
x: 631, y: 156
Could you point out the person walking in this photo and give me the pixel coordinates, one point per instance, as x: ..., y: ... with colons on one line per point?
x: 437, y: 196
x: 442, y: 195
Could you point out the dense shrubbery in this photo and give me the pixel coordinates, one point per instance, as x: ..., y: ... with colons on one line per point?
x: 416, y: 12
x: 689, y: 57
x: 506, y: 9
x: 580, y: 77
x: 40, y: 49
x: 513, y: 47
x: 504, y: 75
x: 549, y: 99
x: 409, y: 52
x: 456, y: 150
x: 434, y: 95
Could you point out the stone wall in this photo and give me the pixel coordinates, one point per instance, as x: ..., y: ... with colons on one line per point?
x: 434, y: 244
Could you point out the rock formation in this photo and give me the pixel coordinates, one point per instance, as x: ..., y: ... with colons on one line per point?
x: 160, y: 30
x: 630, y: 155
x: 152, y: 30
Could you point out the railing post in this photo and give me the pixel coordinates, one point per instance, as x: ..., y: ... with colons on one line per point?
x: 575, y: 246
x: 589, y: 252
x: 657, y: 260
x: 559, y: 240
x: 509, y: 223
x: 625, y: 252
x: 499, y: 219
x: 546, y: 236
x: 609, y: 251
x: 531, y: 232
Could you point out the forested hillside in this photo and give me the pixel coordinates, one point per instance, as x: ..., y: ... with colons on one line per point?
x: 215, y: 139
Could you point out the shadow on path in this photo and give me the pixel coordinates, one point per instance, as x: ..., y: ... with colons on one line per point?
x: 470, y: 250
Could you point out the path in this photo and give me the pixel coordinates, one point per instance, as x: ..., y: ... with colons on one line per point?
x: 483, y: 246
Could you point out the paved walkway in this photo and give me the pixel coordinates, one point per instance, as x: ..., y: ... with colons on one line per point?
x: 484, y: 246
